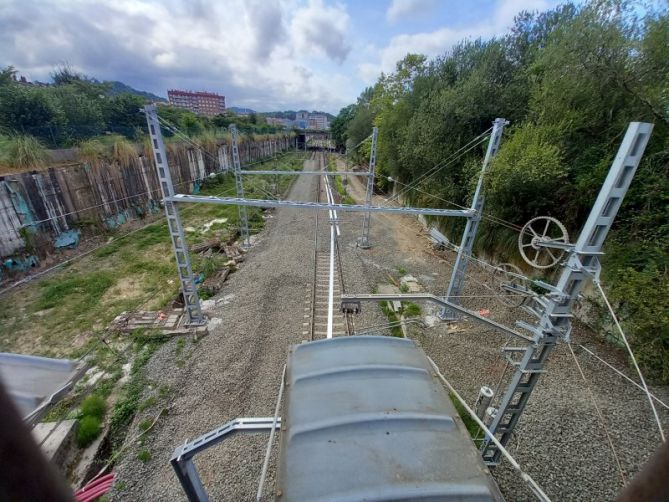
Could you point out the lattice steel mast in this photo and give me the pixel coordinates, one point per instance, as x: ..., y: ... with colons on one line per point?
x: 239, y: 184
x: 364, y: 240
x: 555, y: 311
x: 188, y: 287
x: 456, y: 285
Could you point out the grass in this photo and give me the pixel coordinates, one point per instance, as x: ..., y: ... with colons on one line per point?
x: 145, y: 425
x: 91, y: 151
x: 58, y: 315
x: 129, y: 401
x: 123, y: 151
x: 80, y: 292
x: 401, y: 270
x: 410, y: 309
x: 392, y: 317
x: 22, y: 152
x: 89, y: 429
x: 94, y: 406
x: 144, y: 455
x: 471, y: 425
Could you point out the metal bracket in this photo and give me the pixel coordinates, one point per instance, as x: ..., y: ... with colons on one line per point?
x: 346, y: 298
x: 182, y: 459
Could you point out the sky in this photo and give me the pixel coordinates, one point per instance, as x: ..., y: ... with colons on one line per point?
x: 263, y: 54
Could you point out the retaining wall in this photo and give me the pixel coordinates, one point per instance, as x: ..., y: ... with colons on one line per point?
x: 41, y: 211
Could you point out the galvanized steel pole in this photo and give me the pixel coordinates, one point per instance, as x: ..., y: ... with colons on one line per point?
x: 188, y: 287
x: 364, y: 240
x: 457, y: 283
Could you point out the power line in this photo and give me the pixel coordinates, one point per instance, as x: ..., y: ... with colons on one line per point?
x: 536, y: 489
x: 440, y: 165
x: 629, y: 350
x: 487, y: 216
x: 599, y: 415
x: 658, y: 400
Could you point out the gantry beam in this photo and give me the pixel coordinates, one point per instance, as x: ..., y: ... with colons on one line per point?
x: 355, y: 208
x: 329, y: 173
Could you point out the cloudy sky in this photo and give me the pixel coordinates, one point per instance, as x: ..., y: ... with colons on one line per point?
x: 262, y: 54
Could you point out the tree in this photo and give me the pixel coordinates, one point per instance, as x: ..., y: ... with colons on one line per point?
x: 339, y: 125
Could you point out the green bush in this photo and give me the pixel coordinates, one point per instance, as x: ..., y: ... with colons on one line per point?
x: 94, y: 406
x: 411, y: 310
x: 144, y: 455
x: 89, y: 429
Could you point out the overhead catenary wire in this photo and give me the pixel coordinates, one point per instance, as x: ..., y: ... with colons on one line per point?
x: 268, y: 451
x: 487, y: 216
x: 657, y: 400
x: 634, y: 361
x: 536, y: 489
x: 444, y: 163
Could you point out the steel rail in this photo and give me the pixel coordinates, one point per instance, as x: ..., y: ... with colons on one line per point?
x: 313, y: 289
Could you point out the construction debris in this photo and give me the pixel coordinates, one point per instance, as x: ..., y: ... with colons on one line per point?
x: 212, y: 285
x: 411, y: 284
x: 161, y: 323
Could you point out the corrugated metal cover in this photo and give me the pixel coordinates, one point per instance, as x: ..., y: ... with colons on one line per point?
x: 365, y: 419
x: 30, y: 380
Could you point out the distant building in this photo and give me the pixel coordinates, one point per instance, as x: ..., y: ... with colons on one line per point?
x: 318, y: 121
x: 274, y: 121
x: 204, y: 103
x: 306, y: 120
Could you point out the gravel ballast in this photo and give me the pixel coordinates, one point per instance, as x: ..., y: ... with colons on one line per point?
x: 236, y: 370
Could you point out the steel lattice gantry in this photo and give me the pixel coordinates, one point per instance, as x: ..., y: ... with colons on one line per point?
x: 364, y: 240
x: 322, y: 206
x: 239, y: 184
x: 188, y: 287
x: 555, y: 315
x: 457, y: 282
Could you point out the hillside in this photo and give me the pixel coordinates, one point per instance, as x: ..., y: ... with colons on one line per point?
x: 121, y: 88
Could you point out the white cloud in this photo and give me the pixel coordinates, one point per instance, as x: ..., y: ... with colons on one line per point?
x: 440, y: 41
x: 255, y: 52
x: 319, y: 29
x: 399, y: 9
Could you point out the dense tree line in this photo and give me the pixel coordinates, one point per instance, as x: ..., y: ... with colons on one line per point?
x: 569, y: 80
x: 76, y: 108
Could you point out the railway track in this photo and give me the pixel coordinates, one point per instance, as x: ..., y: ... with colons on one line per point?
x: 342, y: 324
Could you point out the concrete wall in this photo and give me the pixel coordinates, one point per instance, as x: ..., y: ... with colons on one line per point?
x: 44, y: 210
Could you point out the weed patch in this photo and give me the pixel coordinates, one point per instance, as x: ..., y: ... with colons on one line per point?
x: 472, y: 427
x: 80, y: 290
x: 89, y: 429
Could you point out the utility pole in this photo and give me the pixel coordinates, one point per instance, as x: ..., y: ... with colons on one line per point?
x: 554, y: 311
x: 243, y: 216
x: 456, y: 285
x: 188, y: 287
x: 364, y: 240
